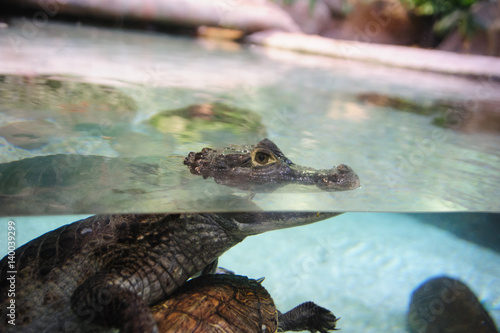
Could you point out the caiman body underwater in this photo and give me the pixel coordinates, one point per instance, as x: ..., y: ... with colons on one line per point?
x: 106, y: 271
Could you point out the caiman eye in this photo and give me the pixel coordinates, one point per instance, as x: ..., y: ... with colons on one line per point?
x: 262, y: 158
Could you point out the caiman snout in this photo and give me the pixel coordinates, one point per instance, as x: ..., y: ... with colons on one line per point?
x: 341, y: 178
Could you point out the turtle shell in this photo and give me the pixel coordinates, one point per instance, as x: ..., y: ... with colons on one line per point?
x: 218, y: 303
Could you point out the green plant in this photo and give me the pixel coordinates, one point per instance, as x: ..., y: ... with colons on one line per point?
x: 449, y: 15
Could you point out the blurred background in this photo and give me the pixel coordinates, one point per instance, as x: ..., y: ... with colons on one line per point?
x: 464, y: 26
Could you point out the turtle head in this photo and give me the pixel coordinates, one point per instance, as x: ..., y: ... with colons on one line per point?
x: 264, y: 168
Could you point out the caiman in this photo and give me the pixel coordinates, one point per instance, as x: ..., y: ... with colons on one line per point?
x: 107, y: 270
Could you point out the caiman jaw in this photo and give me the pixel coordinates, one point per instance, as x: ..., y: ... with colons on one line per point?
x: 264, y: 168
x: 253, y: 223
x: 341, y: 178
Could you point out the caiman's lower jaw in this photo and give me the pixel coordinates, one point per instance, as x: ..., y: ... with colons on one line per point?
x: 341, y: 178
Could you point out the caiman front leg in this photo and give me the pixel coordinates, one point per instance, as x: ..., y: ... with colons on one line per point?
x: 104, y: 300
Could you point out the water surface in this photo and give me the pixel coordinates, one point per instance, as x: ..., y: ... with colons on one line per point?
x: 92, y: 94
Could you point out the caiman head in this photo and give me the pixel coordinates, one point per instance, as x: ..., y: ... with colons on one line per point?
x: 264, y: 168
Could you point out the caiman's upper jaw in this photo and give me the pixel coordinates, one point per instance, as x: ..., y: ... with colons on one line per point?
x: 264, y: 168
x: 341, y: 178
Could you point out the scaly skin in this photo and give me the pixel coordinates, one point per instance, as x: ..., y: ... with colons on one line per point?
x: 264, y: 168
x: 105, y: 271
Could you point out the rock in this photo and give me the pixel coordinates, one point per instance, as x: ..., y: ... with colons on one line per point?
x: 29, y: 134
x: 392, y: 55
x: 336, y: 7
x: 200, y: 121
x: 377, y: 21
x: 463, y: 115
x: 219, y: 33
x: 486, y: 38
x: 445, y: 304
x: 487, y: 15
x: 248, y: 16
x: 470, y: 116
x: 312, y: 18
x: 397, y: 103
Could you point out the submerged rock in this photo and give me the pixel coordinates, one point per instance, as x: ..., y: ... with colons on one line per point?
x: 198, y: 121
x: 29, y: 134
x: 464, y: 115
x: 68, y: 99
x: 446, y: 305
x: 42, y: 109
x: 469, y: 116
x: 398, y: 103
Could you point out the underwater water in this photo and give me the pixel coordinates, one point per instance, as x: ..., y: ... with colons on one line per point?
x: 97, y: 120
x: 361, y: 266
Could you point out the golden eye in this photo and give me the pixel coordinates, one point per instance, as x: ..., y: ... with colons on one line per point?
x: 262, y: 158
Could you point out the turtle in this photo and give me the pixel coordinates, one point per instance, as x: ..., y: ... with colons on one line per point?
x: 228, y: 303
